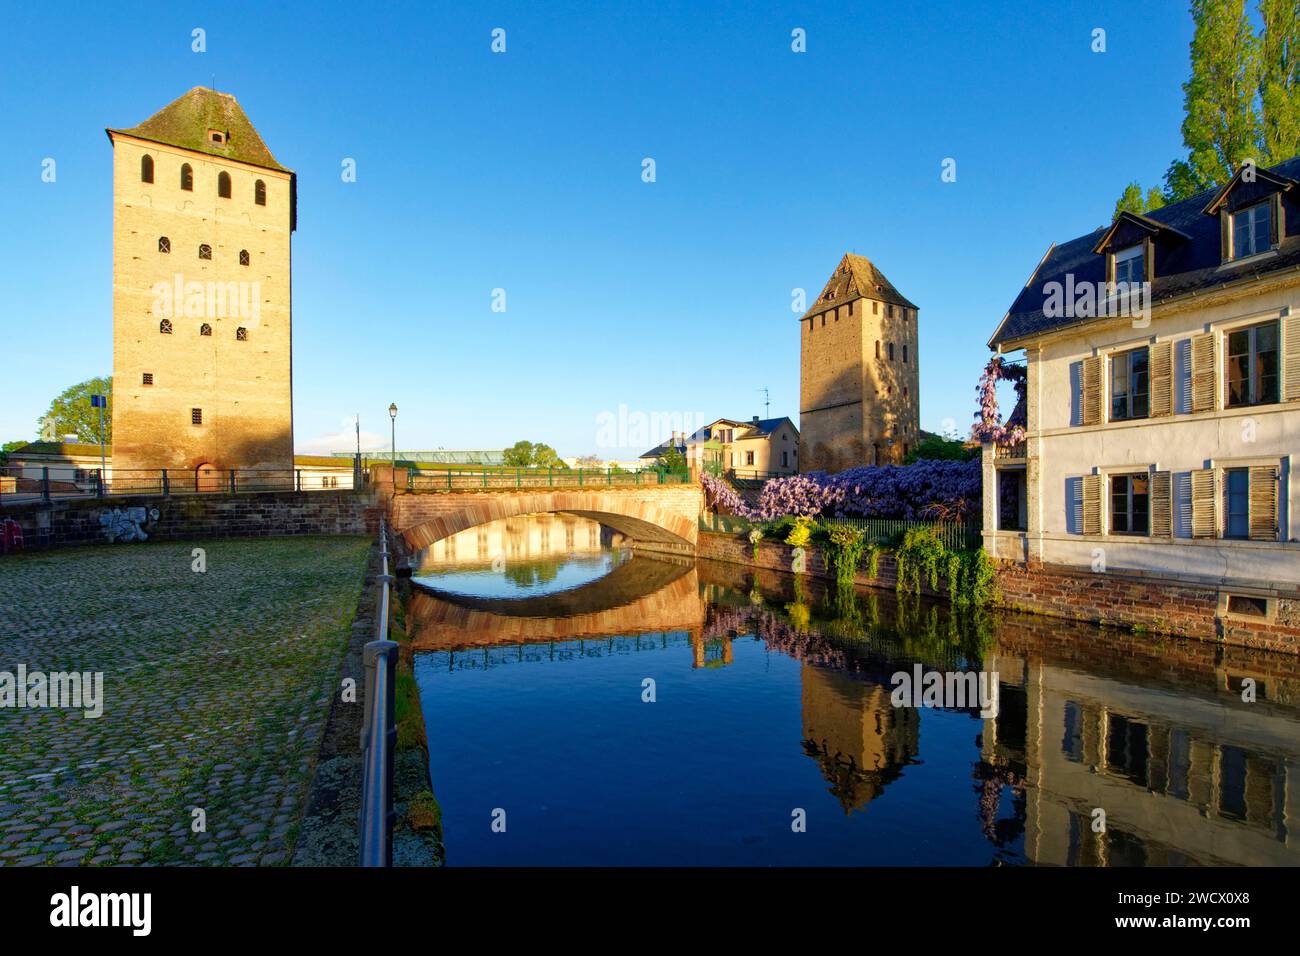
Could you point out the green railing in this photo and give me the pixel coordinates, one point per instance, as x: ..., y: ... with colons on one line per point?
x: 956, y: 535
x: 512, y: 479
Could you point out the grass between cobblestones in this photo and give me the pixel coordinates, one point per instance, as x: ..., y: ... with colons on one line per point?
x: 216, y: 687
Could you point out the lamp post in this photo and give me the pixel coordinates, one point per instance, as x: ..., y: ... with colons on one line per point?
x: 392, y: 414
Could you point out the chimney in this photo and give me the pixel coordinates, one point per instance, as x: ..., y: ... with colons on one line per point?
x: 755, y: 419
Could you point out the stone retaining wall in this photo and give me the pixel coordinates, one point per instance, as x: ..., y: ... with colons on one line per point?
x: 76, y: 521
x: 1114, y: 598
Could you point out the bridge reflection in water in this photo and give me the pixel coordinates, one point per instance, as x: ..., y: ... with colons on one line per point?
x: 1156, y: 735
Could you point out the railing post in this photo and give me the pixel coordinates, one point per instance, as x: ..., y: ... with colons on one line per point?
x: 232, y: 481
x: 518, y: 479
x: 298, y: 479
x: 580, y: 476
x: 550, y: 476
x: 99, y: 482
x: 166, y: 484
x: 45, y: 483
x: 449, y: 479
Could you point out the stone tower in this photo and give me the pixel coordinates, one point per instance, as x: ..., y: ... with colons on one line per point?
x: 202, y: 294
x: 859, y: 376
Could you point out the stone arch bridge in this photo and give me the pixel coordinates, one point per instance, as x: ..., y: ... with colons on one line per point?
x: 654, y: 518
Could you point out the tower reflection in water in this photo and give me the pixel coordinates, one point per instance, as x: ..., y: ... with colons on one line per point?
x: 1155, y: 735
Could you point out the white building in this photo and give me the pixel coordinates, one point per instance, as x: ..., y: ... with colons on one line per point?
x: 1163, y: 445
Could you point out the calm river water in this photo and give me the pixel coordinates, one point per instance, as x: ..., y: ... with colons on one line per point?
x: 586, y: 706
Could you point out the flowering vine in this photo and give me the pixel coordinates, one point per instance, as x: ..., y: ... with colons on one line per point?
x: 988, y: 420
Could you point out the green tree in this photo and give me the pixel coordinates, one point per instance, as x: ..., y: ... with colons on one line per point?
x: 1132, y: 200
x: 1279, y: 80
x: 671, y: 460
x: 1222, y: 125
x: 6, y: 448
x: 526, y: 454
x: 73, y: 415
x: 939, y: 448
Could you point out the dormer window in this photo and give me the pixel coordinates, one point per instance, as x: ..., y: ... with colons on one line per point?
x: 1131, y: 266
x: 217, y: 137
x: 1251, y: 230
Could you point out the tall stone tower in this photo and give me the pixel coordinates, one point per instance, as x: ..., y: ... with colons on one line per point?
x: 859, y: 380
x: 202, y: 294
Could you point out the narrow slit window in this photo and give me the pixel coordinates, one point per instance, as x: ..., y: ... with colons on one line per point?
x: 223, y: 185
x: 259, y: 193
x: 187, y: 178
x: 146, y: 168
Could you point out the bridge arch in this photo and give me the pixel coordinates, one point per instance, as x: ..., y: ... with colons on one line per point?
x: 665, y: 518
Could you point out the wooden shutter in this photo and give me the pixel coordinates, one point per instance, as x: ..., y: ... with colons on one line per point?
x: 1274, y: 219
x: 1092, y: 390
x: 1092, y: 504
x: 1162, y: 524
x: 1205, y: 522
x: 1203, y: 372
x: 1162, y: 379
x: 1263, y: 503
x: 1291, y: 358
x: 1225, y: 235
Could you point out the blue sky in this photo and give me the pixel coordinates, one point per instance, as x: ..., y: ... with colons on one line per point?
x: 522, y: 171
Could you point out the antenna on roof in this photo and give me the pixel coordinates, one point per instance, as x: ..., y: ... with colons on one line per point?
x: 767, y: 402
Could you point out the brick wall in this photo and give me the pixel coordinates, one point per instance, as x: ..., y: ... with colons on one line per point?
x: 665, y: 514
x: 76, y: 521
x: 1168, y: 607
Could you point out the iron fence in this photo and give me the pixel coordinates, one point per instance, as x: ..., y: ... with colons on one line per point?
x: 379, y: 729
x: 19, y: 483
x: 508, y: 479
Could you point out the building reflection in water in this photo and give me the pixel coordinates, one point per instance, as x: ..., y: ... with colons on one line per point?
x: 1154, y: 734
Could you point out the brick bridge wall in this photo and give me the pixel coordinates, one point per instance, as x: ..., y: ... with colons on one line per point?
x: 662, y: 516
x: 75, y: 521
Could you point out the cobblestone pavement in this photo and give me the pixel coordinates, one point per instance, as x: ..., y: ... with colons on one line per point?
x: 216, y: 687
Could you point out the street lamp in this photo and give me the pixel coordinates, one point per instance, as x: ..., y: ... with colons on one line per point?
x: 392, y: 414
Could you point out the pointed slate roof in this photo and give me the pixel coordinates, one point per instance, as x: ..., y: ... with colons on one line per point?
x: 186, y: 120
x: 856, y: 278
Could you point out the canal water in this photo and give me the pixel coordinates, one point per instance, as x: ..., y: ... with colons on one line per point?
x: 587, y: 706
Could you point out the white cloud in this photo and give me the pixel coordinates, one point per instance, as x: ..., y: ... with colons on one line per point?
x: 345, y: 439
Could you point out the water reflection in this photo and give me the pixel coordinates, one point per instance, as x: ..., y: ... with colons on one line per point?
x: 773, y: 692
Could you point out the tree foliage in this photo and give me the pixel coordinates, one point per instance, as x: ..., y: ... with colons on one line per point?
x: 939, y: 448
x: 526, y: 454
x: 1241, y: 100
x: 72, y: 413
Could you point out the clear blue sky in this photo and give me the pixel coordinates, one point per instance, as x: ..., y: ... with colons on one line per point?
x: 523, y: 171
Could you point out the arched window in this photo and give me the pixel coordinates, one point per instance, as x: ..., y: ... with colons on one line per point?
x: 241, y: 334
x: 164, y: 244
x: 146, y: 168
x: 243, y: 257
x: 165, y: 327
x: 205, y: 251
x: 223, y: 185
x: 187, y: 178
x: 259, y: 193
x: 205, y: 329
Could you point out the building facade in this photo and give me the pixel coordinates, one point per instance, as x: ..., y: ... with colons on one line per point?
x: 757, y: 448
x: 1161, y: 442
x: 202, y: 294
x: 859, y: 372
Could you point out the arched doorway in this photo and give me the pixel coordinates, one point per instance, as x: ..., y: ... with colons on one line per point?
x: 207, y: 478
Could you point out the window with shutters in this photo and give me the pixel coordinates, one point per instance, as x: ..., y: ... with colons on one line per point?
x: 1129, y: 385
x: 1252, y: 366
x: 1130, y: 504
x: 1236, y: 503
x: 1251, y: 228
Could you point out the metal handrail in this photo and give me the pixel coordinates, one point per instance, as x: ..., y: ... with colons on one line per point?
x: 502, y: 479
x: 379, y: 729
